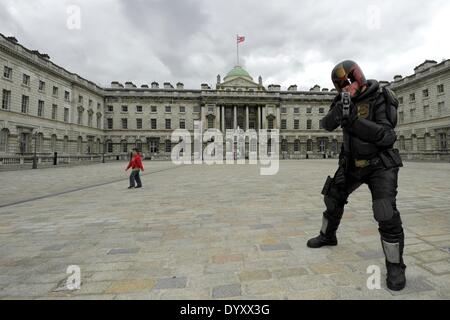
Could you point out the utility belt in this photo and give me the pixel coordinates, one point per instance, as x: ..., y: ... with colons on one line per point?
x: 387, y: 158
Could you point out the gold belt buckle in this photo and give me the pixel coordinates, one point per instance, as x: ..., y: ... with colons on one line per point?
x: 361, y: 163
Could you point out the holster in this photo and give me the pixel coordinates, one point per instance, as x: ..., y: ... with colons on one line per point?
x: 391, y: 158
x: 327, y: 186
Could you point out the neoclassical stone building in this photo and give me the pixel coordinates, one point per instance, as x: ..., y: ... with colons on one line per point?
x: 46, y: 106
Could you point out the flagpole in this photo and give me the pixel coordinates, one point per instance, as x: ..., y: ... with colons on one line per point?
x: 237, y: 49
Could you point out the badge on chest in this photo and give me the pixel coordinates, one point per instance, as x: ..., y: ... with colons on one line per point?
x: 363, y: 110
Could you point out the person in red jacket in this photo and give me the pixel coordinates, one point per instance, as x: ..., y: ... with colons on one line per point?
x: 136, y: 166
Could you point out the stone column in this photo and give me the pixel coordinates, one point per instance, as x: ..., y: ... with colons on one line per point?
x: 246, y: 118
x: 217, y: 114
x: 259, y: 117
x: 278, y: 117
x: 223, y: 118
x: 235, y: 117
x: 265, y: 123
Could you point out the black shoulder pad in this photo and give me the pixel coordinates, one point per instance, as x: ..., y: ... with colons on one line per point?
x: 391, y: 97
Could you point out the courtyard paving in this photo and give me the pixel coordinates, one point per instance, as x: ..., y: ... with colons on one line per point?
x: 211, y: 232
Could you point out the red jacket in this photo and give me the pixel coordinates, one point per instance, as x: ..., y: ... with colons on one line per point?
x: 135, y: 163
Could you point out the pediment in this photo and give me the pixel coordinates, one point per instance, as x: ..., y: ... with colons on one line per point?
x: 239, y: 82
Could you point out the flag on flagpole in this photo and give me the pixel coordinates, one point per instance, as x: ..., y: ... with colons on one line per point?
x: 240, y: 39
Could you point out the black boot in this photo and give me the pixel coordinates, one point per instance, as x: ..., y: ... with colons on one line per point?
x: 327, y: 236
x: 321, y: 240
x: 395, y: 279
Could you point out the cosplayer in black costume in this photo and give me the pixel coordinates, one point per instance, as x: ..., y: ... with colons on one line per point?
x: 367, y: 156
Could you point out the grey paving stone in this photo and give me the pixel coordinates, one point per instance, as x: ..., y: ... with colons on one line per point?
x: 227, y: 291
x: 124, y: 251
x: 275, y: 247
x: 171, y: 283
x: 370, y: 254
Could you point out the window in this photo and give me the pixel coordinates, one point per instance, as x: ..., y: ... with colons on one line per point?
x: 320, y: 124
x: 297, y: 145
x: 153, y: 146
x: 138, y: 123
x: 284, y: 145
x: 80, y: 99
x: 283, y: 110
x: 124, y: 123
x: 66, y: 144
x: 53, y: 143
x: 109, y: 123
x: 55, y: 91
x: 124, y: 146
x: 283, y: 124
x: 41, y: 85
x: 412, y: 113
x: 139, y: 109
x: 401, y: 117
x: 168, y: 146
x: 7, y: 72
x: 412, y: 97
x: 80, y: 117
x: 66, y: 114
x: 26, y: 80
x: 309, y: 124
x: 443, y: 141
x: 90, y: 103
x: 321, y: 110
x: 296, y: 124
x: 6, y: 100
x: 425, y: 93
x: 54, y: 111
x: 124, y: 108
x: 309, y: 145
x: 154, y: 109
x: 153, y: 124
x: 210, y: 122
x: 168, y: 109
x: 400, y: 100
x: 440, y: 88
x: 309, y: 110
x: 25, y: 104
x: 182, y: 109
x: 4, y: 140
x: 99, y: 105
x: 441, y: 106
x: 426, y: 112
x: 182, y: 124
x: 40, y: 108
x: 401, y: 142
x: 210, y: 109
x: 168, y: 124
x: 99, y: 121
x: 270, y: 124
x: 109, y: 147
x: 110, y: 109
x: 296, y: 110
x: 67, y: 96
x: 90, y: 115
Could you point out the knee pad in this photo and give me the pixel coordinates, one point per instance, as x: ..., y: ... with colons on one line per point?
x: 382, y: 210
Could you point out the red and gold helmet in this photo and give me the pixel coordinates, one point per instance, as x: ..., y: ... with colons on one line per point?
x: 347, y: 73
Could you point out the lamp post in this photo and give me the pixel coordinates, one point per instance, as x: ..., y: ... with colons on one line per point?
x: 34, y: 154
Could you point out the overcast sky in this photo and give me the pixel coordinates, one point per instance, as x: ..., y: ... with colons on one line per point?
x: 287, y: 42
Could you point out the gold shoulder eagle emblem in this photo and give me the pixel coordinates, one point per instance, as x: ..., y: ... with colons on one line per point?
x: 363, y: 110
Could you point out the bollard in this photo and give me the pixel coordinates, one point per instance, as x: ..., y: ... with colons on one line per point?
x: 55, y: 158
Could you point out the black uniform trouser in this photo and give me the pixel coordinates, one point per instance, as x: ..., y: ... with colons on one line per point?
x: 382, y: 183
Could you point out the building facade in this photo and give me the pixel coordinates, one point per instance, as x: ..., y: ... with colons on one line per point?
x: 51, y: 109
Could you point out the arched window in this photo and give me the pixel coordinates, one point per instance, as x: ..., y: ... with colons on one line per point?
x: 124, y: 146
x: 39, y: 142
x: 66, y: 144
x: 297, y: 145
x: 168, y: 146
x: 401, y: 143
x: 284, y: 145
x: 97, y: 146
x: 109, y: 146
x: 414, y: 142
x: 80, y: 145
x: 309, y: 145
x: 334, y: 146
x: 309, y: 124
x: 53, y: 143
x: 427, y: 141
x: 4, y: 140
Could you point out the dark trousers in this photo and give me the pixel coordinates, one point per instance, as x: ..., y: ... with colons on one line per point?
x: 134, y: 177
x: 382, y: 184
